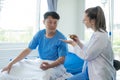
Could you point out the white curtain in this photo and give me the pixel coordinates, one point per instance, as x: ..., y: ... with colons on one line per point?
x: 0, y: 5
x: 52, y: 5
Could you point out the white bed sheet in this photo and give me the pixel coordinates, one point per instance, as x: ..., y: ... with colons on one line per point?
x: 30, y: 70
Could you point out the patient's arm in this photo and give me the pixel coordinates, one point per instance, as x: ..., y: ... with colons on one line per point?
x: 46, y: 65
x: 22, y: 55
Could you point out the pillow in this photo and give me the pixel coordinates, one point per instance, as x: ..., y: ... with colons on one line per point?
x: 73, y: 63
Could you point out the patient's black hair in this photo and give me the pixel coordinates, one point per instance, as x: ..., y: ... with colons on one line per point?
x: 54, y: 15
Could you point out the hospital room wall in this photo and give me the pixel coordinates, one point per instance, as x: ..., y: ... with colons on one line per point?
x: 71, y: 12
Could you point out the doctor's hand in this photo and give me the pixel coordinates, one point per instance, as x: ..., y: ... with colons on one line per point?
x: 73, y: 43
x: 7, y: 68
x: 74, y: 38
x: 45, y: 66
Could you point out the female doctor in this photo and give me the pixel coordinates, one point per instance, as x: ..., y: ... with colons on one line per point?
x: 98, y: 53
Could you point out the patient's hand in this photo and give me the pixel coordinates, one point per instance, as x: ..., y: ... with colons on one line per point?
x: 7, y: 68
x: 45, y: 66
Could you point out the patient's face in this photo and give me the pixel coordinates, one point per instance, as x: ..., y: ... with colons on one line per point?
x: 51, y: 23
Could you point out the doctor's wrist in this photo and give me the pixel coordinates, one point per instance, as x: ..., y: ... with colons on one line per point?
x: 73, y: 44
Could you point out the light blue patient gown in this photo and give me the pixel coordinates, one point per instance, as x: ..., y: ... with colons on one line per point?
x: 49, y: 48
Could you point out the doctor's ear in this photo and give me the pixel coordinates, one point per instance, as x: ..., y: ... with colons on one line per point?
x: 92, y: 22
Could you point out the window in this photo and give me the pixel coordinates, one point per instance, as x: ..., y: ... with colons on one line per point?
x: 43, y: 8
x: 116, y: 27
x: 20, y: 19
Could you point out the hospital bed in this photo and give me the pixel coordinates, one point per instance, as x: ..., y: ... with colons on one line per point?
x: 28, y: 68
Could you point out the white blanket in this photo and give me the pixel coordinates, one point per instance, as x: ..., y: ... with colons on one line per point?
x: 30, y: 70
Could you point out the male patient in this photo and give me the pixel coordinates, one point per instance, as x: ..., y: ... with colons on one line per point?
x: 50, y: 47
